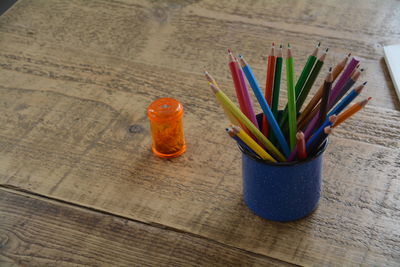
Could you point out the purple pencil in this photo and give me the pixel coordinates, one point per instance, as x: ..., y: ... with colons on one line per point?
x: 343, y: 79
x: 247, y: 98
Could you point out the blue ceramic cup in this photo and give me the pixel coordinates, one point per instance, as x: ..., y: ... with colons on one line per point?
x: 282, y: 191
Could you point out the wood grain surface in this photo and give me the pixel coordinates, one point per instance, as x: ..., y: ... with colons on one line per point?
x: 77, y: 76
x: 40, y: 232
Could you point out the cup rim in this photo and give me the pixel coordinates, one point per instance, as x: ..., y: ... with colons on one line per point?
x: 288, y: 164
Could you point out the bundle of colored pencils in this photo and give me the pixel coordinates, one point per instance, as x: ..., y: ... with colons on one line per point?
x: 293, y: 134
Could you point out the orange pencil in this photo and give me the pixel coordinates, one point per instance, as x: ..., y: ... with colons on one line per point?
x: 269, y: 85
x: 351, y: 111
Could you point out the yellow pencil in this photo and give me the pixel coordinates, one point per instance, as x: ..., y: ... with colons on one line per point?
x: 230, y: 116
x: 225, y: 101
x: 252, y: 144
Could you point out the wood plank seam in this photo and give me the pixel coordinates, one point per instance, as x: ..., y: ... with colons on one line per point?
x: 21, y: 191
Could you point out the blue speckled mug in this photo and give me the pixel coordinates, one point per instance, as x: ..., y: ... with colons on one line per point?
x: 282, y: 191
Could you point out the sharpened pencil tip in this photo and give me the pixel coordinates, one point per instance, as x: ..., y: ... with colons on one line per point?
x: 300, y: 135
x: 229, y: 51
x: 288, y: 46
x: 364, y: 102
x: 349, y: 54
x: 365, y: 83
x: 362, y: 69
x: 319, y: 44
x: 326, y: 50
x: 235, y: 129
x: 240, y: 56
x: 330, y: 69
x: 280, y: 46
x: 273, y: 44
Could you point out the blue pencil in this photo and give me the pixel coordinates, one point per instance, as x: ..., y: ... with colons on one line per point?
x: 347, y: 100
x: 320, y: 135
x: 264, y: 105
x: 317, y: 139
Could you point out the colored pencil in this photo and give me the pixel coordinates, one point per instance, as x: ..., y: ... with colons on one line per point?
x: 252, y: 144
x: 347, y: 73
x: 292, y: 115
x: 228, y: 114
x: 346, y: 87
x: 264, y: 105
x: 233, y: 66
x: 351, y: 111
x: 269, y: 85
x: 347, y: 100
x: 241, y: 143
x: 329, y: 122
x: 277, y: 83
x: 301, y: 143
x: 317, y: 139
x: 305, y: 73
x: 306, y: 89
x: 306, y: 70
x: 224, y: 99
x: 336, y: 90
x: 317, y: 96
x: 325, y: 98
x: 310, y: 81
x: 247, y: 98
x: 320, y: 131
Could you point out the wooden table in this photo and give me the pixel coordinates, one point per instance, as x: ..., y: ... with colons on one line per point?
x: 80, y: 186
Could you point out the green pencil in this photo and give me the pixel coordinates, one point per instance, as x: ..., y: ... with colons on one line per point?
x: 306, y: 71
x: 277, y: 83
x: 310, y: 81
x: 301, y: 81
x: 291, y: 98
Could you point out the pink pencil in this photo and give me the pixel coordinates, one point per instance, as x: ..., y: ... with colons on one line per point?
x: 247, y: 99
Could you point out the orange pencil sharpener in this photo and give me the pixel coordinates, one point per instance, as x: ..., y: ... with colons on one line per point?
x: 166, y: 122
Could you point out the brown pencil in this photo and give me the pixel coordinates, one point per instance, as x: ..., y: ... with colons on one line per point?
x: 323, y: 111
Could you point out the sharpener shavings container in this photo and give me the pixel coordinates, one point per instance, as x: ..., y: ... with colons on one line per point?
x: 166, y: 122
x: 284, y: 191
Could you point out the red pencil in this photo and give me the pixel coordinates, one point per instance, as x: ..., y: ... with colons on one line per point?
x: 269, y: 85
x: 234, y: 67
x: 301, y: 144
